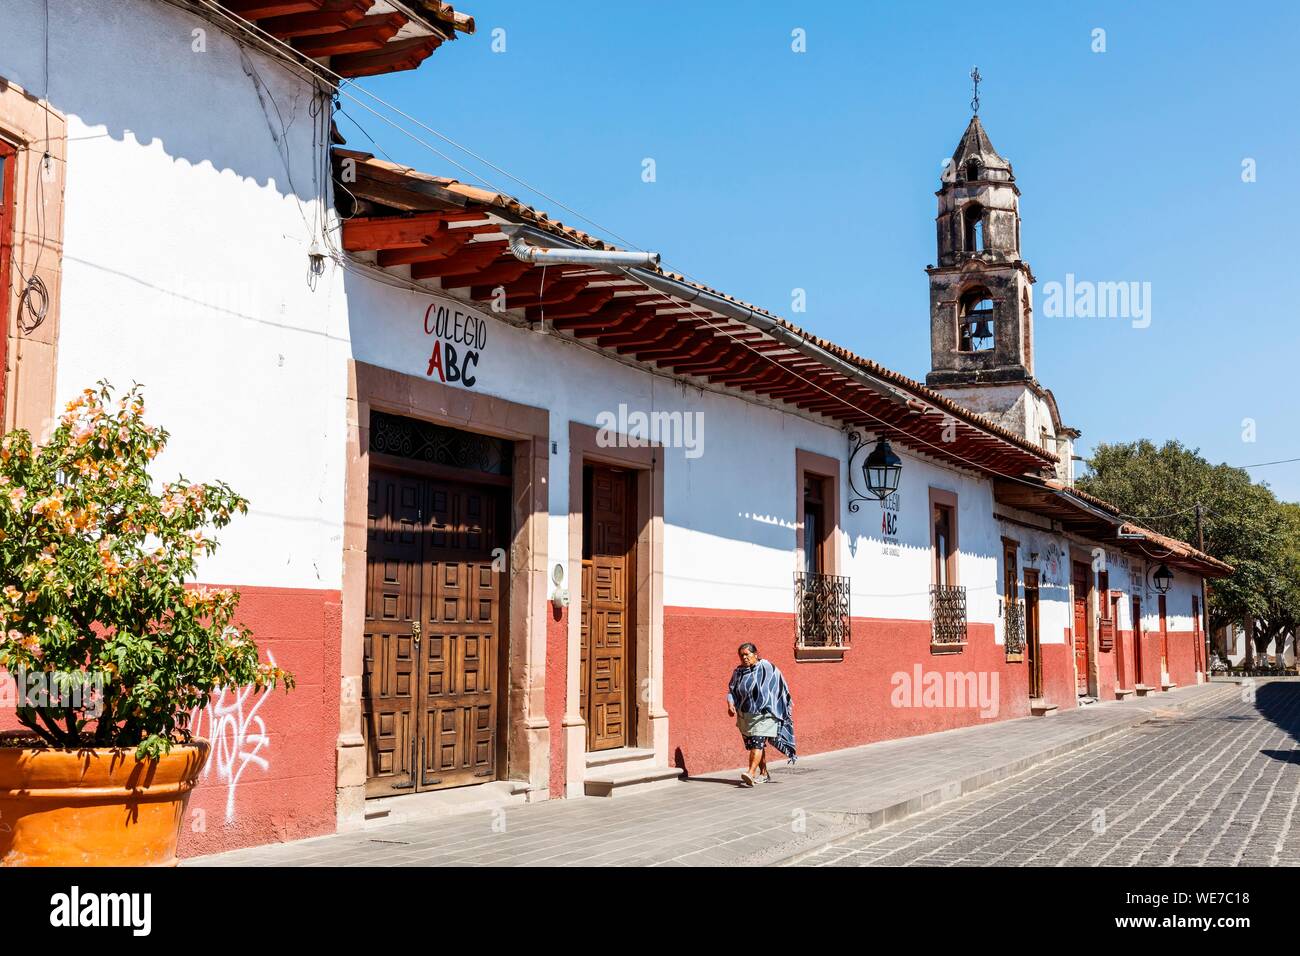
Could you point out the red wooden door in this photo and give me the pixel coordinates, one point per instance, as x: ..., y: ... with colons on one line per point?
x: 1081, y: 575
x: 606, y: 608
x: 1198, y: 639
x: 1033, y: 648
x: 1138, y: 676
x: 1121, y: 671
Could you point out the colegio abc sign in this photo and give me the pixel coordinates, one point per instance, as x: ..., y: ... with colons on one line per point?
x: 459, y: 338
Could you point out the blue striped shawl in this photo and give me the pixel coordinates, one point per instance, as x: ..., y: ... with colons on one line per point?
x: 761, y: 689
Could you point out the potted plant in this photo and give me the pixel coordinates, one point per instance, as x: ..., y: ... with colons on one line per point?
x: 106, y: 648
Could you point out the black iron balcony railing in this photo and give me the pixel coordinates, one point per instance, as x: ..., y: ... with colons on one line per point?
x: 1013, y: 620
x: 821, y: 607
x: 948, y: 614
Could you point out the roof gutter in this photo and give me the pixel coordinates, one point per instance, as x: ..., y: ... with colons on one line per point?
x: 525, y: 248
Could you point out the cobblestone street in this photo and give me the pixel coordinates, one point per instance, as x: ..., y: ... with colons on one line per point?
x: 1219, y: 786
x: 1194, y: 776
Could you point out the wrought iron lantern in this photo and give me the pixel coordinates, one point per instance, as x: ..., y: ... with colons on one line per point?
x: 882, y: 470
x: 1163, y: 578
x: 874, y: 475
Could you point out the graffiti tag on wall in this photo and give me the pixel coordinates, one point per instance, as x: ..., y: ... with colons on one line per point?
x: 237, y: 734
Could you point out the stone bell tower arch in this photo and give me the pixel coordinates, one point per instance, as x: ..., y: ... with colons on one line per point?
x: 981, y: 300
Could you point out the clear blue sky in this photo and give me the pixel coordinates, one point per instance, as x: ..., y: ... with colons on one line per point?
x: 778, y: 170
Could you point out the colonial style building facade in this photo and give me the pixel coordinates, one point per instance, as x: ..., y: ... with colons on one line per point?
x: 510, y: 519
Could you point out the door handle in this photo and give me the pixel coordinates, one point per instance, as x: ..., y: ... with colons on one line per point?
x: 415, y: 632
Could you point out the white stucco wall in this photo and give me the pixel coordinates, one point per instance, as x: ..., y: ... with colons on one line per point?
x: 185, y: 265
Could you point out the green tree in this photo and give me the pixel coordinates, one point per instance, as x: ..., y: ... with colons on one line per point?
x: 1281, y: 614
x: 1244, y: 525
x: 93, y: 597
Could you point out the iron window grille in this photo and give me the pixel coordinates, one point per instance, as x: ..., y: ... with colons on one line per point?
x: 821, y: 603
x: 1013, y: 621
x: 948, y: 613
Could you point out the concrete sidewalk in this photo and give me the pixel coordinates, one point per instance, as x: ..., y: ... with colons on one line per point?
x: 711, y: 821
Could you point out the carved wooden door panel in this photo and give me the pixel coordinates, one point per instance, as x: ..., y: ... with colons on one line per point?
x: 394, y: 581
x: 462, y: 633
x: 1033, y: 647
x: 606, y: 624
x: 433, y: 626
x: 1081, y: 577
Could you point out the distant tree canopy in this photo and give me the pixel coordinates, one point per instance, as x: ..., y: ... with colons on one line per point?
x: 1244, y: 525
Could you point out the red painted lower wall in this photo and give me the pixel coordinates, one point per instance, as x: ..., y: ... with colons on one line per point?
x: 1106, y: 679
x: 270, y: 775
x: 1184, y: 660
x: 1183, y: 657
x: 872, y: 694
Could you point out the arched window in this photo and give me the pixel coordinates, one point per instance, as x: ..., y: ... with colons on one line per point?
x: 972, y: 169
x: 973, y: 218
x: 976, y: 322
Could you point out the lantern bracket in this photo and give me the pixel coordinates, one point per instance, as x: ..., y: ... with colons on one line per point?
x: 859, y: 445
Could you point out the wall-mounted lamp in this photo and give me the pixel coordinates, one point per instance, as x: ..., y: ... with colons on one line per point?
x: 880, y: 471
x: 560, y: 596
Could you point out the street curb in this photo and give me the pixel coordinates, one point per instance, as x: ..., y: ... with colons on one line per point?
x: 851, y: 824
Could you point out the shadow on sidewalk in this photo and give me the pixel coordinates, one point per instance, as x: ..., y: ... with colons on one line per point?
x: 1279, y: 702
x: 732, y: 781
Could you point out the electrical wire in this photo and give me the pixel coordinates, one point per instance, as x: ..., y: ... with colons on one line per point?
x: 34, y: 299
x: 1262, y: 464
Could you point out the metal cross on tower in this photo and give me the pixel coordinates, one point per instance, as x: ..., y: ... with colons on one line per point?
x: 975, y: 81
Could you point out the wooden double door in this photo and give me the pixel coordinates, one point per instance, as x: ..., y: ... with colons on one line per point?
x: 1082, y: 580
x: 608, y: 605
x: 1033, y: 643
x: 433, y: 631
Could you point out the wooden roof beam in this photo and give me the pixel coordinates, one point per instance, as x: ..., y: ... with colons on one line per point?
x: 634, y: 322
x: 708, y: 355
x: 589, y: 303
x: 260, y: 9
x: 671, y: 340
x: 443, y: 247
x: 367, y: 233
x: 696, y: 342
x: 393, y: 57
x: 370, y: 34
x: 333, y: 16
x: 557, y: 293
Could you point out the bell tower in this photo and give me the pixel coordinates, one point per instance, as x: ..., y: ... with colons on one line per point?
x: 981, y: 305
x: 981, y: 299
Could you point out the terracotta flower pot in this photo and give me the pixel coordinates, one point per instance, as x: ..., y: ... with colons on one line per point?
x: 94, y: 807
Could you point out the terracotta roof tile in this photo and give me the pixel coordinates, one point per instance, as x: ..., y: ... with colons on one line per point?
x: 527, y: 214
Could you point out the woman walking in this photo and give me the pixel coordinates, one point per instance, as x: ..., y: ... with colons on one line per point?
x: 760, y: 701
